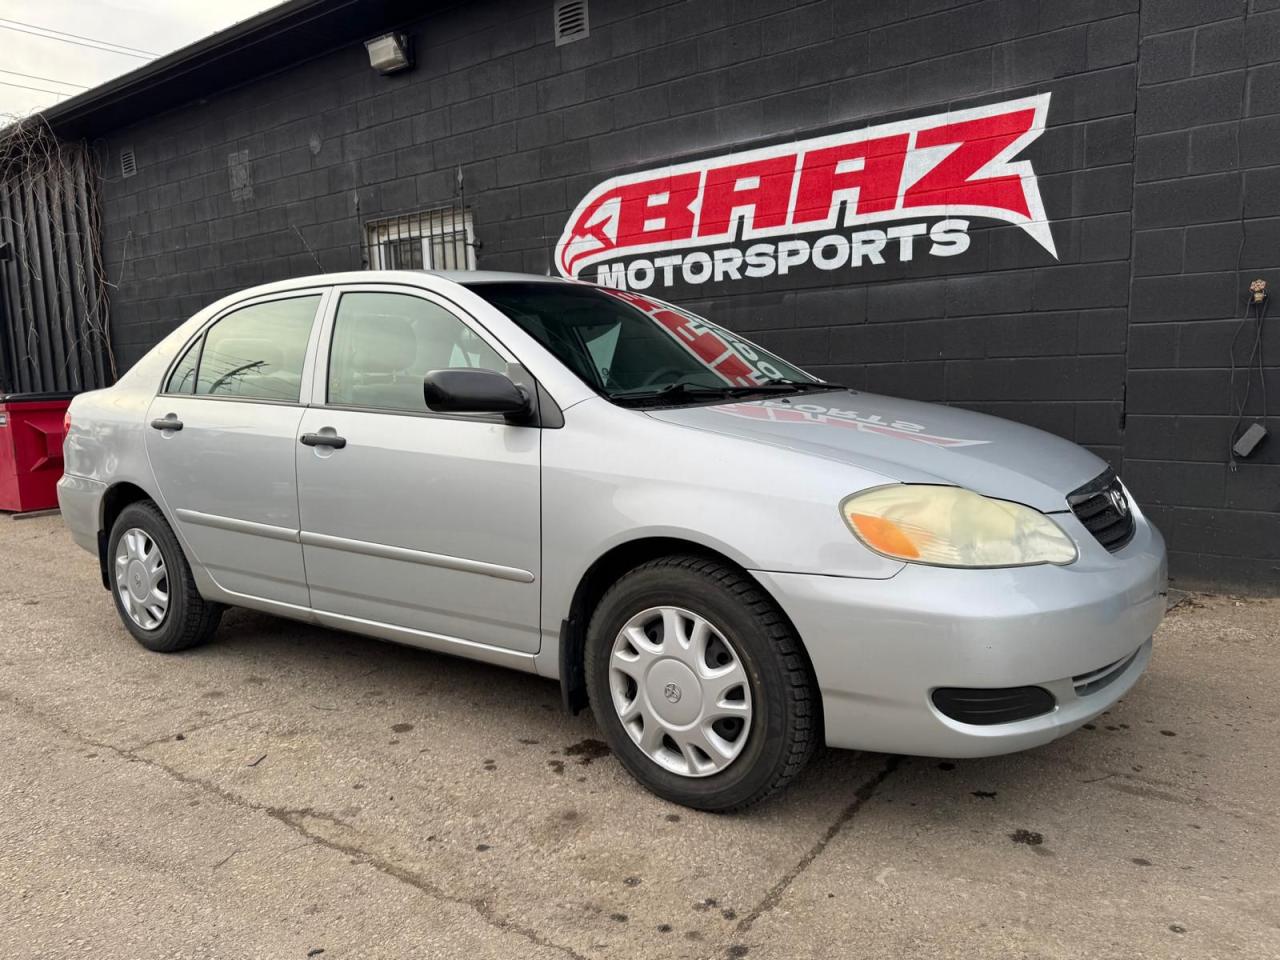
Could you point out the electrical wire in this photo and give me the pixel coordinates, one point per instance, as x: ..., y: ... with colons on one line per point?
x: 32, y: 76
x: 1231, y: 389
x: 23, y: 86
x: 76, y: 36
x: 1257, y: 351
x: 88, y: 42
x: 1259, y: 346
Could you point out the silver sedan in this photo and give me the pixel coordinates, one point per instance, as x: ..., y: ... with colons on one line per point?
x: 730, y: 561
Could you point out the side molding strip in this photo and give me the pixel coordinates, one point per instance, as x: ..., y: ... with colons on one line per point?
x: 270, y: 531
x: 440, y: 643
x: 416, y: 556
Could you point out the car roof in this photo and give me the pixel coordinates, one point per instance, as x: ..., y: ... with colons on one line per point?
x: 412, y: 278
x: 490, y: 276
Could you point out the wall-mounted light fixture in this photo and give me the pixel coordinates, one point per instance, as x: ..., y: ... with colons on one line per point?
x: 390, y: 53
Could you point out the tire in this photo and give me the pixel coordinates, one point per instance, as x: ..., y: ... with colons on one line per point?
x: 780, y: 693
x: 187, y: 618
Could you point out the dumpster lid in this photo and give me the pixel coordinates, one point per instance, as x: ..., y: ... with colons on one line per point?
x: 36, y: 397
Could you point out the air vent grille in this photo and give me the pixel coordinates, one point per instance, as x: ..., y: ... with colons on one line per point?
x: 987, y: 707
x: 571, y: 21
x: 128, y: 163
x: 1095, y: 680
x: 1103, y: 507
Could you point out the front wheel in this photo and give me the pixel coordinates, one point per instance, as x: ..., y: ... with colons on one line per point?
x: 700, y: 684
x: 151, y: 583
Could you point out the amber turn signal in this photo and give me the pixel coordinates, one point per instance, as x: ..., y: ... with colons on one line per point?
x: 884, y: 535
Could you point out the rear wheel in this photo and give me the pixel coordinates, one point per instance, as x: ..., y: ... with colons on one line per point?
x: 152, y: 585
x: 700, y: 684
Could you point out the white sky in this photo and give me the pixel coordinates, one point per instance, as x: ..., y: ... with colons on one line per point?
x: 157, y: 26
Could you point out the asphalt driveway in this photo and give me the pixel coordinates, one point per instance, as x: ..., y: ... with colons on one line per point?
x: 288, y: 790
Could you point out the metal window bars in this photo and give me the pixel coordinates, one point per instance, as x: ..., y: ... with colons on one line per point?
x: 441, y: 238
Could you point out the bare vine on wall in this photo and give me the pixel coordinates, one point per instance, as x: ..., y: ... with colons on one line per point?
x: 55, y: 331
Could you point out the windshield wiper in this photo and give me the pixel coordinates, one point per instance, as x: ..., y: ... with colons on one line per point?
x: 673, y: 391
x: 691, y: 391
x: 776, y: 382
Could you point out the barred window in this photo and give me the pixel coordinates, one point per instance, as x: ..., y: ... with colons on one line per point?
x: 438, y: 239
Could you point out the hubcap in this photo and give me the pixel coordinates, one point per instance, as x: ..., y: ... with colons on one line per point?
x: 680, y: 690
x: 142, y: 580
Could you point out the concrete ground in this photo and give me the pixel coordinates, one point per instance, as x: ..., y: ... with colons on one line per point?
x: 289, y: 790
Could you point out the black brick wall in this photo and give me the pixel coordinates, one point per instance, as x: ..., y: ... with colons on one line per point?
x: 1206, y: 221
x: 1159, y: 172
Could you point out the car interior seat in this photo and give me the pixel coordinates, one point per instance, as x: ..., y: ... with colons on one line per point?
x: 383, y: 366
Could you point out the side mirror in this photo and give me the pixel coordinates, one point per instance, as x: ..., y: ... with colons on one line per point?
x: 472, y: 390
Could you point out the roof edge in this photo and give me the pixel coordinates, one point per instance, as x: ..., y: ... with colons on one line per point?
x: 148, y: 83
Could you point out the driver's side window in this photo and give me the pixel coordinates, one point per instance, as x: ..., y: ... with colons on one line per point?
x: 384, y: 344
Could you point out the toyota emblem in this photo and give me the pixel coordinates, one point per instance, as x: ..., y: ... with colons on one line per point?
x: 672, y: 692
x: 1116, y: 496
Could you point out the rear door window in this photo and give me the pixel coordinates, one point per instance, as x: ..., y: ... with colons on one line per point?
x: 258, y: 351
x: 183, y: 378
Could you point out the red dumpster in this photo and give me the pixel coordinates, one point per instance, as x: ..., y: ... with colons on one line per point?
x: 31, y: 449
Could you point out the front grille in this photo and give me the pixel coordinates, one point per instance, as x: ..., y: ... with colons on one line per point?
x: 1095, y: 680
x: 987, y: 706
x: 1104, y: 508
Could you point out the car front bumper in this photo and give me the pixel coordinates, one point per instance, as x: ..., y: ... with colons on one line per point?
x: 880, y: 648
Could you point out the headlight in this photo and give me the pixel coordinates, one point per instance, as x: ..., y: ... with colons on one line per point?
x: 952, y: 527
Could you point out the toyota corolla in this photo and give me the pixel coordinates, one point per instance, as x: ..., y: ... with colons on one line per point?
x: 729, y: 560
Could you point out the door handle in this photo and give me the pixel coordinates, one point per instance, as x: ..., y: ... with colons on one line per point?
x: 167, y: 423
x: 323, y: 440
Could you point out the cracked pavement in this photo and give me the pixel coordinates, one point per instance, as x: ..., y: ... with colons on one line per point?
x: 289, y: 789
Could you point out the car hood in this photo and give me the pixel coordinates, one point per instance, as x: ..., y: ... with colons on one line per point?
x: 908, y: 441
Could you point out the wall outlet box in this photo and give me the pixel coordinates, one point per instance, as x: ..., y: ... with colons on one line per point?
x: 1249, y: 440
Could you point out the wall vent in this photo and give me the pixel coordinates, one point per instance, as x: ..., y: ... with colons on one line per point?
x: 128, y: 164
x: 241, y: 178
x: 571, y: 21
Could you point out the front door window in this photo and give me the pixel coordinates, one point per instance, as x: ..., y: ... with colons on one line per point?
x: 384, y: 344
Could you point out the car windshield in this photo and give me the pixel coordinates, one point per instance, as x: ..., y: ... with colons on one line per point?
x: 639, y: 351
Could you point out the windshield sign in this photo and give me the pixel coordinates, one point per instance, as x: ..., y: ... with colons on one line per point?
x: 636, y: 350
x: 734, y: 360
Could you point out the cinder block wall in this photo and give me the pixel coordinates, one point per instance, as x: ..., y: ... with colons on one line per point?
x: 1206, y: 221
x: 1158, y: 170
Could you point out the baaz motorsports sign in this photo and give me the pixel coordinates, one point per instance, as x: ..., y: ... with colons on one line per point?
x: 897, y: 191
